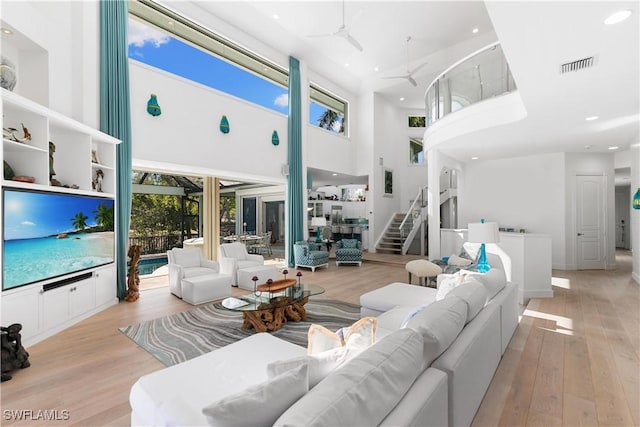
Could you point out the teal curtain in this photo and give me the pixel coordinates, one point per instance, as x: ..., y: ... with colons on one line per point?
x: 115, y: 117
x: 294, y: 189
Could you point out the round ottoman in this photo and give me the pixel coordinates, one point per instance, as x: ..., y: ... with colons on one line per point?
x: 423, y: 269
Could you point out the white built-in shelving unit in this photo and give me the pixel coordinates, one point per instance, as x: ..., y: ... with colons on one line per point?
x: 80, y: 152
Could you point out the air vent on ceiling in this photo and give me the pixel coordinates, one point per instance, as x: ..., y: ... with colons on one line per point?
x: 578, y: 65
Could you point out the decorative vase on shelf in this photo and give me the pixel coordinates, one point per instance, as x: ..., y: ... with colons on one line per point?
x: 8, y: 77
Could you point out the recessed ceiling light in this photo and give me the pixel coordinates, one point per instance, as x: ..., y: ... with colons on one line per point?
x: 170, y: 23
x: 619, y: 16
x: 590, y: 118
x: 7, y: 31
x: 474, y: 158
x: 346, y: 65
x: 402, y: 98
x: 334, y: 174
x: 474, y: 31
x: 613, y: 147
x: 376, y: 69
x: 275, y: 16
x: 588, y: 147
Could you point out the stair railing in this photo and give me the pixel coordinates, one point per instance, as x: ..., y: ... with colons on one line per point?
x: 413, y: 216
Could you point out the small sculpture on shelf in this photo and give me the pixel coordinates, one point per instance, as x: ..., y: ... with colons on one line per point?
x: 12, y: 134
x: 94, y: 157
x: 97, y: 182
x: 52, y: 172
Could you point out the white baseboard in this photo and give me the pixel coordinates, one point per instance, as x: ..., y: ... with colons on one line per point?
x: 563, y: 267
x: 525, y: 296
x: 635, y: 276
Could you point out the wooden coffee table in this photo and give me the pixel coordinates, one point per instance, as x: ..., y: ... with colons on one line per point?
x: 270, y: 310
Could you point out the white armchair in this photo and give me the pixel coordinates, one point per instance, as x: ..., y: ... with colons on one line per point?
x: 234, y: 256
x: 186, y: 263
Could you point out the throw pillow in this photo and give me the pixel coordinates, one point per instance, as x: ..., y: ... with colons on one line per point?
x: 365, y: 390
x: 473, y: 293
x: 261, y: 404
x: 320, y: 365
x: 446, y: 282
x: 358, y: 336
x: 458, y: 261
x: 349, y: 244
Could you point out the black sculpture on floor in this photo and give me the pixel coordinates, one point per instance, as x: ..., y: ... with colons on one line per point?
x: 14, y: 356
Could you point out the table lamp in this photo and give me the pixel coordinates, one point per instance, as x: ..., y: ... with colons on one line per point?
x: 483, y: 232
x: 318, y: 221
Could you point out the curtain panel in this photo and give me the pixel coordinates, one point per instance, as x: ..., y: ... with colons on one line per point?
x: 115, y: 118
x: 295, y: 227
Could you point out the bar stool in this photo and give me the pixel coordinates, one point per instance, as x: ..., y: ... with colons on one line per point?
x: 335, y: 231
x: 357, y: 233
x: 344, y: 230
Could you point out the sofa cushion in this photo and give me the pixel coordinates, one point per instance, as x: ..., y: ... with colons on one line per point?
x: 364, y: 390
x: 187, y: 257
x: 358, y: 336
x: 320, y: 364
x: 234, y: 250
x: 389, y: 296
x: 260, y: 404
x: 474, y: 294
x: 494, y: 280
x: 439, y: 326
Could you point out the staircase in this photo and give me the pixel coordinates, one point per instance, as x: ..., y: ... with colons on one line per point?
x: 392, y: 241
x: 403, y: 227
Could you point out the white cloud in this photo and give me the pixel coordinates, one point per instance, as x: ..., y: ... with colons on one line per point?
x: 139, y: 34
x: 29, y: 223
x: 282, y: 100
x: 336, y: 126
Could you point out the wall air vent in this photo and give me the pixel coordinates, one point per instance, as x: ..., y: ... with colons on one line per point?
x: 578, y: 65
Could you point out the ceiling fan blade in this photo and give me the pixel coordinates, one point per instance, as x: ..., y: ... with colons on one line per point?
x: 404, y: 76
x: 417, y: 68
x: 354, y: 42
x: 320, y: 35
x: 413, y: 82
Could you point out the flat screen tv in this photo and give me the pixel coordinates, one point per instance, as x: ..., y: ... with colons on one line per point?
x: 47, y: 234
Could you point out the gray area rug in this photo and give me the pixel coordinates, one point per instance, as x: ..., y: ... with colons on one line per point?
x: 183, y: 336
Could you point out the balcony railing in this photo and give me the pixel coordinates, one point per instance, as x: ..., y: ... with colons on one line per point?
x: 481, y: 75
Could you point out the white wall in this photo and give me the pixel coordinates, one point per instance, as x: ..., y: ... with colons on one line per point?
x: 635, y: 213
x: 589, y: 164
x: 59, y: 66
x: 389, y: 134
x: 436, y: 161
x: 524, y: 192
x: 187, y: 132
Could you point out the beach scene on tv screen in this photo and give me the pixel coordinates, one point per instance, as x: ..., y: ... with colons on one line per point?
x: 48, y: 235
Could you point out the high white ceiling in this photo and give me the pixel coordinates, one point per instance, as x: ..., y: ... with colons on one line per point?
x: 536, y: 37
x: 441, y: 33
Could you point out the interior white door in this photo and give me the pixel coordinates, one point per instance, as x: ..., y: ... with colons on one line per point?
x: 590, y: 222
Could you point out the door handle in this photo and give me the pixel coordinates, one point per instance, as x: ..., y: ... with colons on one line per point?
x: 579, y: 234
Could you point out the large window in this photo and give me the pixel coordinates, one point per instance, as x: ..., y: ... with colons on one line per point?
x: 327, y: 111
x: 416, y: 151
x: 166, y: 40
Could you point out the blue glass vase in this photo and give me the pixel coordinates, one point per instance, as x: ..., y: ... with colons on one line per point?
x: 483, y: 265
x: 636, y: 200
x: 153, y: 107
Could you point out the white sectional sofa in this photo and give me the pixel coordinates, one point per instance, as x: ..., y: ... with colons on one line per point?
x: 430, y: 366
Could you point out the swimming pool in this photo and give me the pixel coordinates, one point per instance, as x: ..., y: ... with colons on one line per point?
x: 149, y: 265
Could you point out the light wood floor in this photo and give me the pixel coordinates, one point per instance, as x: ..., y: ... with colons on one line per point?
x: 572, y: 361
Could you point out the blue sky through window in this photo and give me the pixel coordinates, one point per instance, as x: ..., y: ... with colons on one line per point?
x: 162, y: 51
x: 158, y: 49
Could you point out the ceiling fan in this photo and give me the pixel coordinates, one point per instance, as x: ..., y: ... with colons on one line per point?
x: 343, y: 32
x: 409, y: 75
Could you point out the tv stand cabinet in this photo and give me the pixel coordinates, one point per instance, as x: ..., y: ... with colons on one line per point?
x: 81, y: 153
